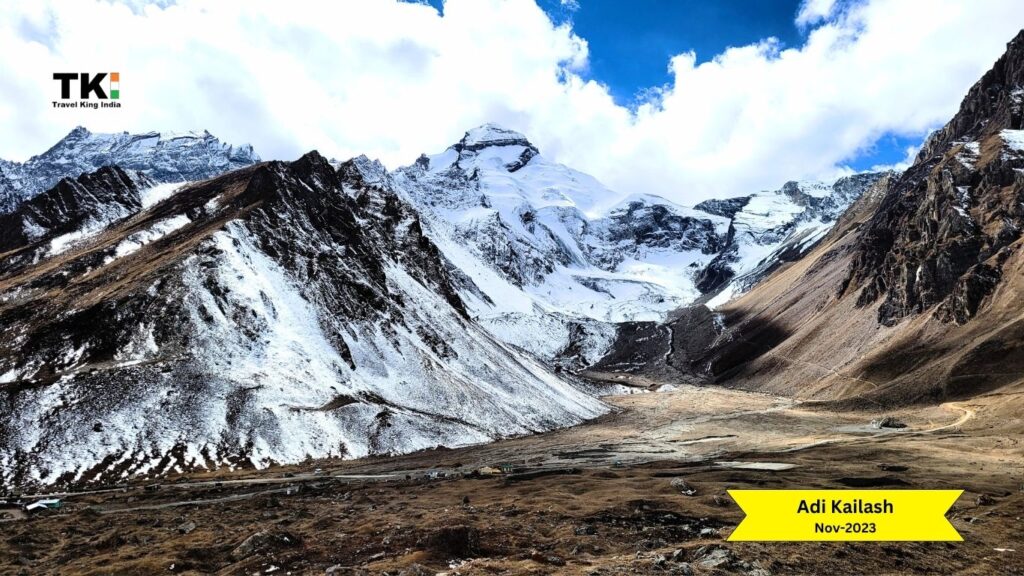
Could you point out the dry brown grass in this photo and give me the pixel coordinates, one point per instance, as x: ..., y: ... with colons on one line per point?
x: 533, y: 526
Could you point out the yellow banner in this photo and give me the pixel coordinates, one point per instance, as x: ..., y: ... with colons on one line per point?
x: 845, y: 515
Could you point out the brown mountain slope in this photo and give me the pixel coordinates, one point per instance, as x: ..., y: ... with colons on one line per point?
x: 916, y: 296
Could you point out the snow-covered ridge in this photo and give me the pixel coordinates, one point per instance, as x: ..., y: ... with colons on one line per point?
x: 336, y: 325
x: 73, y: 210
x: 162, y: 156
x: 770, y: 228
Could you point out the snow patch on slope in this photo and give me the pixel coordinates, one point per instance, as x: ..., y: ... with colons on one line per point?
x: 1014, y: 139
x: 156, y: 194
x: 263, y: 380
x: 139, y: 239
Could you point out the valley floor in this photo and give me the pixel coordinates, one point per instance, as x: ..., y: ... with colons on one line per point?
x: 595, y: 499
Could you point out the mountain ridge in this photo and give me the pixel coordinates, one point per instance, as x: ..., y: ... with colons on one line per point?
x: 163, y: 157
x: 914, y: 297
x: 335, y: 326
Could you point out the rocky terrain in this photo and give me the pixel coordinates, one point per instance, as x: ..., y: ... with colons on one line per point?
x: 173, y: 306
x: 163, y: 157
x: 326, y: 367
x: 914, y: 296
x: 275, y: 313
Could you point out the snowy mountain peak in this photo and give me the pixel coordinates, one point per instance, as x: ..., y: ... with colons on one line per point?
x: 488, y: 146
x: 499, y: 170
x: 371, y: 171
x: 490, y: 134
x: 78, y: 132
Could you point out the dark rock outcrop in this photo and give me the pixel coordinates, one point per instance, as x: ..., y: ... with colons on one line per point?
x: 726, y: 208
x: 945, y: 226
x: 102, y: 196
x: 653, y: 225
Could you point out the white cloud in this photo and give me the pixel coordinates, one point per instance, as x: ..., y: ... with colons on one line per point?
x: 814, y: 11
x: 394, y: 79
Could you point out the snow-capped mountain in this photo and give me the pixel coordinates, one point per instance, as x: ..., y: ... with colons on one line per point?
x: 558, y: 235
x: 543, y: 241
x: 279, y: 311
x: 768, y: 229
x: 163, y: 157
x: 550, y: 250
x: 352, y: 310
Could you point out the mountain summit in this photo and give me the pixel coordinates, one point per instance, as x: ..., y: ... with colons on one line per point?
x: 490, y: 134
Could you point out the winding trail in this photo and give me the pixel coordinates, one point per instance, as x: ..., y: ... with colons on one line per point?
x: 885, y: 435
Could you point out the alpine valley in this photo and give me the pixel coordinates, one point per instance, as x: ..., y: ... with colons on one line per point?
x: 487, y: 362
x: 172, y: 303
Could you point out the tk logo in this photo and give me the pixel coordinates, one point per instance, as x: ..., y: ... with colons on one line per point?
x: 89, y: 84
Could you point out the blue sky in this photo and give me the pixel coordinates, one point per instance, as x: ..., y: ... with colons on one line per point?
x: 632, y: 41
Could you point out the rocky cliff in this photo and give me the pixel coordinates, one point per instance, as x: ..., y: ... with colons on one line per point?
x: 914, y: 296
